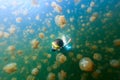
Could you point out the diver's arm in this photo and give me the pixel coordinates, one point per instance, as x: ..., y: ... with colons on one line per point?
x: 67, y: 42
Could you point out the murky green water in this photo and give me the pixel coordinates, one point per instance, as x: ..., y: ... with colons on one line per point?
x: 28, y: 28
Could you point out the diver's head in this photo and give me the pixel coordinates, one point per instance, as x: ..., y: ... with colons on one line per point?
x: 57, y: 44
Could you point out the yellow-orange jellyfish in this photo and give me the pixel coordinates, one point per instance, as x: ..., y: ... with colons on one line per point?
x: 35, y: 71
x: 10, y: 68
x: 35, y: 43
x: 60, y: 21
x: 86, y: 64
x: 116, y: 42
x: 51, y: 76
x: 41, y: 35
x: 61, y: 58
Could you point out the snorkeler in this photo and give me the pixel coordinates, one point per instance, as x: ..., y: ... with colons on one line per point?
x: 58, y: 44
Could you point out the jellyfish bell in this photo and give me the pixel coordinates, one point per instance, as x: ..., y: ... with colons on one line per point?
x: 35, y: 43
x: 62, y: 75
x: 61, y: 58
x: 60, y: 21
x: 116, y: 42
x: 86, y: 64
x: 51, y: 76
x: 97, y: 56
x: 115, y: 63
x: 35, y: 71
x: 10, y: 68
x: 41, y: 35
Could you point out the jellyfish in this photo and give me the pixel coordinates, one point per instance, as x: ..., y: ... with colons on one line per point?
x: 86, y: 64
x: 10, y: 68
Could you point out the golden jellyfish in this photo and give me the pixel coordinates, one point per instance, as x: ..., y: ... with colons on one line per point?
x: 77, y: 2
x: 39, y: 66
x: 30, y: 77
x: 62, y: 75
x: 92, y: 4
x: 34, y: 57
x: 79, y: 56
x: 35, y: 71
x: 35, y: 3
x: 18, y: 19
x: 86, y: 64
x: 12, y: 29
x: 94, y: 47
x: 108, y: 14
x: 35, y: 43
x: 93, y: 17
x: 56, y: 7
x: 48, y: 55
x: 49, y: 69
x: 11, y: 48
x: 52, y: 36
x: 14, y: 78
x: 20, y: 52
x: 10, y: 68
x: 6, y: 35
x: 89, y: 10
x: 97, y: 56
x: 61, y: 58
x: 116, y: 42
x: 82, y: 6
x: 60, y: 21
x: 37, y: 17
x: 51, y: 76
x: 115, y: 63
x: 41, y: 35
x: 96, y: 73
x: 109, y: 50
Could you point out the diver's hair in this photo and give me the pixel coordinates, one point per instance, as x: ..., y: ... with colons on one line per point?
x: 59, y: 42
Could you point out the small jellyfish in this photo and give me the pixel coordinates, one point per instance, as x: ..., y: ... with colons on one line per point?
x: 51, y: 76
x: 37, y: 17
x: 92, y: 4
x: 10, y: 68
x: 34, y: 57
x: 20, y: 52
x: 11, y: 48
x: 48, y: 55
x: 96, y: 73
x: 52, y: 36
x: 86, y: 64
x: 89, y: 10
x: 35, y: 71
x: 41, y: 35
x: 97, y: 56
x: 116, y: 42
x: 61, y: 58
x: 79, y: 56
x: 115, y: 63
x: 6, y: 35
x: 56, y: 7
x: 82, y: 6
x: 93, y: 17
x: 60, y: 21
x: 18, y: 19
x: 12, y: 29
x: 94, y: 47
x: 62, y: 75
x: 77, y: 2
x: 30, y: 77
x: 35, y: 43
